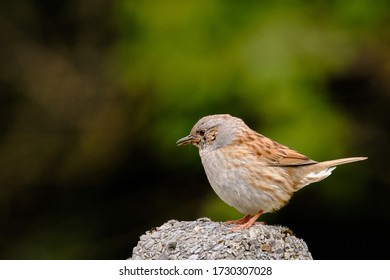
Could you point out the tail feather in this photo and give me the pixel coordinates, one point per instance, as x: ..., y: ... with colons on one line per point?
x: 335, y: 162
x: 319, y: 171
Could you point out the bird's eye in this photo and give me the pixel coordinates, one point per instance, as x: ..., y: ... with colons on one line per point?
x: 202, y: 132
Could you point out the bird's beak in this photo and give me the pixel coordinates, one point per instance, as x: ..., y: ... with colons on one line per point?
x: 189, y: 139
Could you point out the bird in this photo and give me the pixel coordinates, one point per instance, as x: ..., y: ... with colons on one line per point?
x: 249, y: 171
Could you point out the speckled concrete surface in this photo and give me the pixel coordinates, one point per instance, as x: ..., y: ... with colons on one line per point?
x: 206, y: 240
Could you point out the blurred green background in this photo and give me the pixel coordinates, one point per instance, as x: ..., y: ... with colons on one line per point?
x: 94, y: 95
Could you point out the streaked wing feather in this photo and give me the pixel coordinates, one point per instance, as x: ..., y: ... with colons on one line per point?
x: 276, y: 154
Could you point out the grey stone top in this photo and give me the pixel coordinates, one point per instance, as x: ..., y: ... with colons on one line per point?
x: 206, y: 240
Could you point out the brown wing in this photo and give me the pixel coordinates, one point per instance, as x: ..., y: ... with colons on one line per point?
x: 276, y: 154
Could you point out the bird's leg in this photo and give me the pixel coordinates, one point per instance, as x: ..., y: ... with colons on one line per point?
x: 241, y: 221
x: 249, y: 223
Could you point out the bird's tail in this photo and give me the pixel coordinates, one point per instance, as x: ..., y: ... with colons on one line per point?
x: 319, y: 171
x: 335, y: 162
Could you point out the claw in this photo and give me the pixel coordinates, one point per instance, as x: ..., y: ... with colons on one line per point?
x: 246, y: 222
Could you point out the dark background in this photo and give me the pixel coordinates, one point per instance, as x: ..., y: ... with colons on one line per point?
x: 94, y: 95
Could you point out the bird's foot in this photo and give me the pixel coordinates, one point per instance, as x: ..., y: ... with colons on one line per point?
x: 247, y: 222
x: 241, y: 221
